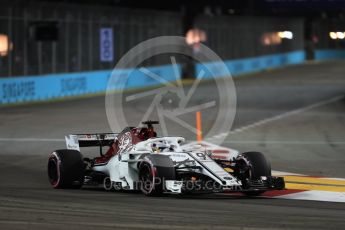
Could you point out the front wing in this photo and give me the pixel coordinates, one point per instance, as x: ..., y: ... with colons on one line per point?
x: 263, y: 184
x: 248, y: 186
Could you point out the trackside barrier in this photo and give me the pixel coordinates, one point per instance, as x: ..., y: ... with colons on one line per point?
x: 248, y: 65
x: 47, y: 87
x: 324, y: 54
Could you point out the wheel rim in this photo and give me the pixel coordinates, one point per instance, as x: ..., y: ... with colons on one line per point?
x: 53, y: 171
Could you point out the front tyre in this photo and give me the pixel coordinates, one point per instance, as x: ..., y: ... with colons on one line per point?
x: 153, y: 171
x: 252, y: 166
x: 66, y: 169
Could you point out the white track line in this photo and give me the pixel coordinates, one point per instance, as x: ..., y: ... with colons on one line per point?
x: 287, y: 142
x: 287, y: 114
x: 31, y: 140
x: 254, y: 125
x: 316, y: 196
x: 281, y: 116
x: 281, y: 173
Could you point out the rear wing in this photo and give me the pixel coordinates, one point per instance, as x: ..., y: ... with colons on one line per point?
x: 75, y: 141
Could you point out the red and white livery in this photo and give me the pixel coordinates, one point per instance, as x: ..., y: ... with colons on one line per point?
x: 137, y: 159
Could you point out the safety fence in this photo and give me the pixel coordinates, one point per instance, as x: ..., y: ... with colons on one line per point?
x: 47, y: 38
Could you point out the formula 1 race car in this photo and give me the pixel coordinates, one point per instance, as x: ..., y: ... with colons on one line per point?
x: 137, y: 159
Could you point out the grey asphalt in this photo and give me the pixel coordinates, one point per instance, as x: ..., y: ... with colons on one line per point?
x: 310, y: 142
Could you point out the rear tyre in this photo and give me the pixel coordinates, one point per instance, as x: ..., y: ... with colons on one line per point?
x: 153, y: 171
x: 66, y: 169
x: 252, y: 166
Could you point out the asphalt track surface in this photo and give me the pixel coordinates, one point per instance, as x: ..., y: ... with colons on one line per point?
x: 310, y: 141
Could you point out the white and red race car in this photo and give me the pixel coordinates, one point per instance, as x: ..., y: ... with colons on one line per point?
x: 139, y: 160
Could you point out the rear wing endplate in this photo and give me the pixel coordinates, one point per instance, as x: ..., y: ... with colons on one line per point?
x: 75, y: 141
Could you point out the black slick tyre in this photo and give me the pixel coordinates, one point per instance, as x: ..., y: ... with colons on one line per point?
x: 66, y: 169
x: 153, y: 171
